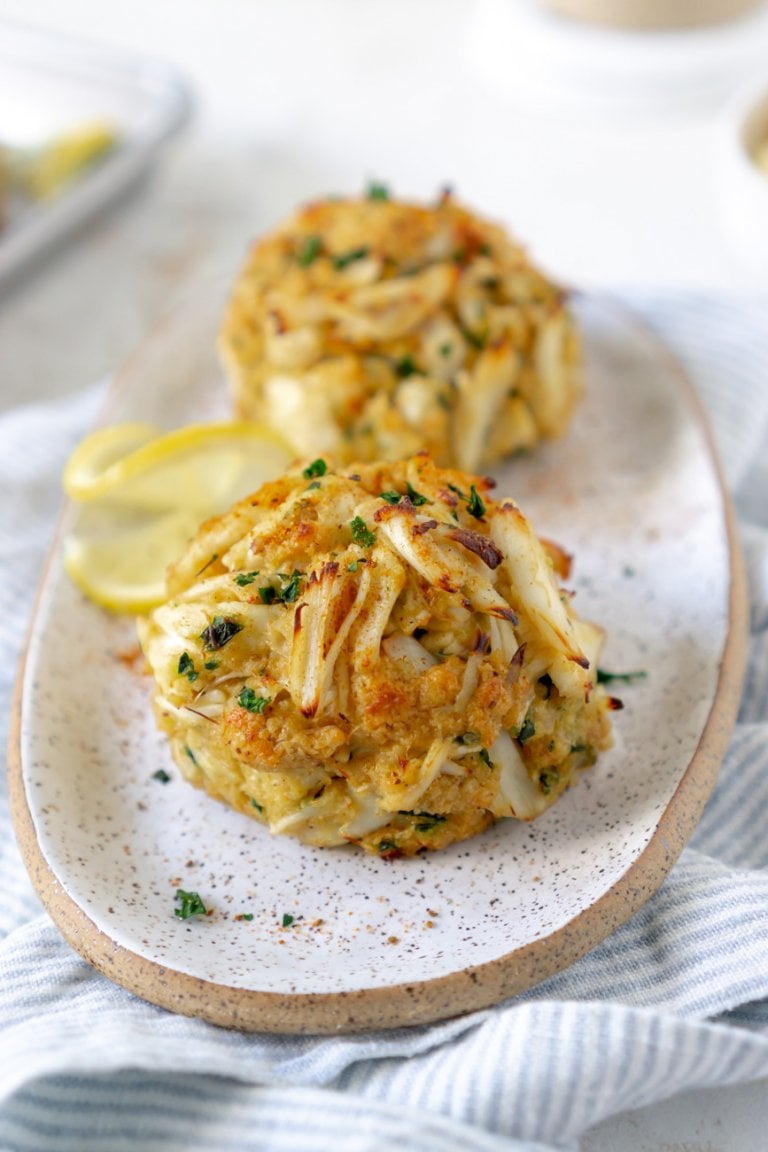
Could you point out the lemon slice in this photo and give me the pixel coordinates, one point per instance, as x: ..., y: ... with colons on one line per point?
x: 100, y: 453
x: 139, y: 497
x: 200, y: 464
x: 123, y: 569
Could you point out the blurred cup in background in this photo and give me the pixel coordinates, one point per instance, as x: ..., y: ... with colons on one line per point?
x: 651, y: 14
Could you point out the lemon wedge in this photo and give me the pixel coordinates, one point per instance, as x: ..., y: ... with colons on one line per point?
x: 141, y: 494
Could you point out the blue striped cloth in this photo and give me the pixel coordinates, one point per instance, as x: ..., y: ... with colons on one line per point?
x: 676, y: 999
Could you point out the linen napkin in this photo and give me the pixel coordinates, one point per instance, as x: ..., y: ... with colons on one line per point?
x: 676, y: 999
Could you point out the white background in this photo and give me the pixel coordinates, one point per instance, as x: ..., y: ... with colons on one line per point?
x: 597, y: 149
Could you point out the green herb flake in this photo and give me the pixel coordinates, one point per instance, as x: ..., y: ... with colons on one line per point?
x: 485, y: 757
x: 289, y: 594
x: 316, y: 468
x: 446, y: 349
x: 251, y: 702
x: 385, y: 847
x: 416, y: 498
x: 219, y: 632
x: 287, y: 919
x: 191, y: 755
x: 187, y: 667
x: 527, y: 730
x: 343, y: 259
x: 190, y: 905
x: 259, y: 807
x: 425, y: 821
x: 475, y: 505
x: 458, y: 491
x: 391, y: 497
x: 246, y: 915
x: 405, y: 366
x: 211, y: 665
x: 310, y: 249
x: 549, y: 780
x: 315, y: 484
x: 377, y: 191
x: 474, y: 339
x: 604, y: 677
x: 243, y: 579
x: 361, y: 534
x: 162, y: 775
x: 353, y: 566
x: 267, y: 594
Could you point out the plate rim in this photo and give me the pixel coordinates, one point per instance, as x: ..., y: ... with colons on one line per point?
x: 466, y: 990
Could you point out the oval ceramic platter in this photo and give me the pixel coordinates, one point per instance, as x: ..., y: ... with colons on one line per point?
x: 326, y: 940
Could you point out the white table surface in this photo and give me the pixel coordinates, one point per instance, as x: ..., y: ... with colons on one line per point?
x: 608, y: 184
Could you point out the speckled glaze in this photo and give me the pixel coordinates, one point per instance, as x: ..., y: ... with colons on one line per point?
x: 634, y: 492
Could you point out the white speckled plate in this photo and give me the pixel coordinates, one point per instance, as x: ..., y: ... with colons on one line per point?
x: 634, y: 492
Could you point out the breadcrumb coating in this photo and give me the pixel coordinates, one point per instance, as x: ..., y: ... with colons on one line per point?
x: 377, y: 654
x: 373, y: 328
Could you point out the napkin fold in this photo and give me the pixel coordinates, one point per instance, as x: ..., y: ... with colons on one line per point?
x: 675, y: 999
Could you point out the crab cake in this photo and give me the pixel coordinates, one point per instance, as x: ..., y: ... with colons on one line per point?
x: 371, y: 329
x: 378, y: 654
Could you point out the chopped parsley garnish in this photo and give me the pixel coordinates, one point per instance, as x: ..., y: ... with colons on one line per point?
x: 251, y: 702
x: 245, y: 578
x: 316, y: 468
x: 405, y: 366
x: 416, y: 498
x: 425, y: 821
x: 361, y: 534
x: 485, y: 757
x: 445, y: 349
x: 310, y: 249
x: 386, y: 846
x: 246, y: 915
x: 219, y: 632
x: 527, y: 730
x: 313, y: 485
x: 211, y: 665
x: 549, y: 780
x: 604, y: 677
x: 475, y: 506
x: 344, y: 258
x: 287, y: 919
x: 190, y: 905
x: 255, y: 804
x: 477, y: 341
x: 377, y: 191
x: 289, y: 594
x: 162, y: 775
x: 191, y: 754
x: 187, y: 667
x: 353, y: 566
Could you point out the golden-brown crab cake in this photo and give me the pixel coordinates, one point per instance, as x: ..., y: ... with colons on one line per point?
x: 378, y: 654
x: 372, y: 328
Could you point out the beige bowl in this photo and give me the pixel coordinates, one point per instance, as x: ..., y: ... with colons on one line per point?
x: 652, y: 13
